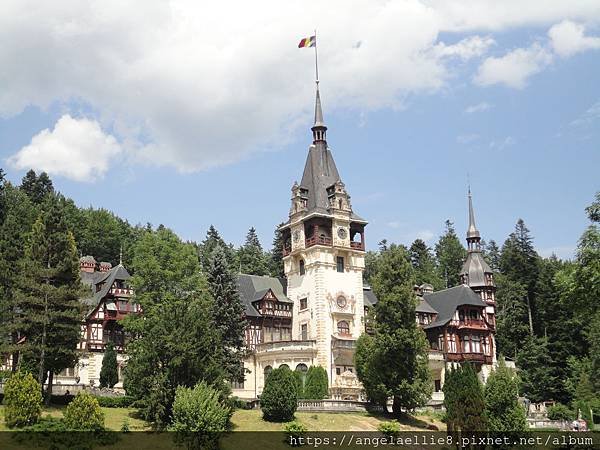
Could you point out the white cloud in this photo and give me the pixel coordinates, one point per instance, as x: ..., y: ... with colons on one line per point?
x: 514, y: 68
x: 479, y: 107
x: 394, y: 224
x: 425, y: 235
x: 467, y: 138
x: 195, y: 85
x: 589, y: 117
x: 504, y: 143
x: 76, y: 148
x: 467, y: 48
x: 567, y: 39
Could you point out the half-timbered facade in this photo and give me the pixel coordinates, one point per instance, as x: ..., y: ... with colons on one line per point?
x: 109, y: 301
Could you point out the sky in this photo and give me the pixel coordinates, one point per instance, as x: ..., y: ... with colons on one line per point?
x: 192, y: 113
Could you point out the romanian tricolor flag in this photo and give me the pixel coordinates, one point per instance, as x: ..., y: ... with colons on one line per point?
x: 308, y: 42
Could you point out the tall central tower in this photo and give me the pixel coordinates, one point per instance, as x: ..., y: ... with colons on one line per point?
x: 324, y: 251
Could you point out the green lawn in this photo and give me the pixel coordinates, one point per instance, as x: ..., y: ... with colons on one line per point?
x: 113, y: 417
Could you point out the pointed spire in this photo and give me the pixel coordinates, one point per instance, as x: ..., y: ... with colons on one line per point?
x: 472, y: 232
x: 121, y: 255
x: 319, y: 127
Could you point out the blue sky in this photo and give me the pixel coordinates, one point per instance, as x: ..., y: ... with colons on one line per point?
x: 419, y: 97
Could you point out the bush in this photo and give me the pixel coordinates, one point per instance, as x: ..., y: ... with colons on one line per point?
x: 299, y: 378
x: 109, y: 375
x: 560, y: 412
x: 198, y: 416
x: 237, y: 403
x: 124, y: 401
x: 391, y: 428
x: 84, y: 413
x: 22, y: 400
x: 294, y: 430
x: 317, y: 384
x: 280, y: 397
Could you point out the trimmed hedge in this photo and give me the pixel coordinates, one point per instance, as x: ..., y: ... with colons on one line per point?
x: 317, y: 384
x: 124, y: 401
x: 279, y: 398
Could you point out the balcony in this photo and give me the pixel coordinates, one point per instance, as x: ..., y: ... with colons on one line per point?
x: 318, y: 240
x: 477, y: 324
x: 286, y: 346
x: 358, y: 246
x: 473, y: 357
x: 286, y: 251
x: 121, y: 292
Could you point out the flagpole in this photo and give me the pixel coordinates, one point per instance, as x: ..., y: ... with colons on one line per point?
x: 316, y: 59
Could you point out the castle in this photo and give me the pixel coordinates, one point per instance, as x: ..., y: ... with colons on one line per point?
x: 315, y: 314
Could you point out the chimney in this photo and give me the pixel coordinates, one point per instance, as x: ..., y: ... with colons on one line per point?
x: 87, y: 264
x: 105, y: 266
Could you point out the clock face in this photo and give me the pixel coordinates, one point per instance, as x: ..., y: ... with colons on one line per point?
x: 342, y: 233
x: 296, y: 235
x: 341, y: 301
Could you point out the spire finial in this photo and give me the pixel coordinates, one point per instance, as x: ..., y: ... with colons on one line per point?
x: 121, y: 255
x: 472, y: 233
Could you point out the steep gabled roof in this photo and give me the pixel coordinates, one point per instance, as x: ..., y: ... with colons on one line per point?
x: 445, y: 302
x: 369, y: 297
x: 253, y: 288
x: 320, y: 172
x: 424, y: 307
x: 476, y: 268
x: 107, y: 278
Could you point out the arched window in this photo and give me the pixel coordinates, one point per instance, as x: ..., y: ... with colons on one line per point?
x: 343, y: 327
x: 302, y: 368
x: 268, y: 370
x: 284, y: 365
x: 302, y: 270
x: 340, y: 203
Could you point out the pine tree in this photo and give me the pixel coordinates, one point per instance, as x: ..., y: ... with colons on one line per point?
x: 316, y: 386
x: 520, y: 263
x: 36, y: 188
x: 253, y: 260
x: 536, y: 375
x: 450, y: 256
x: 423, y: 262
x: 276, y: 254
x: 228, y: 312
x: 464, y: 400
x: 502, y: 409
x: 176, y: 343
x: 48, y: 292
x: 393, y: 363
x: 492, y: 255
x: 511, y: 316
x: 212, y: 240
x: 109, y: 374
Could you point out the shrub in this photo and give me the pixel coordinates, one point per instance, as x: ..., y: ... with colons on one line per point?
x: 22, y: 400
x: 560, y: 412
x: 124, y: 401
x: 237, y: 403
x: 299, y: 378
x: 391, y: 428
x: 280, y: 397
x: 109, y: 375
x: 317, y: 385
x: 198, y: 416
x: 294, y: 430
x: 84, y: 413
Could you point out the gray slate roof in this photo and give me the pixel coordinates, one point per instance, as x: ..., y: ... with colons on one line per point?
x: 253, y: 287
x: 476, y: 268
x: 424, y: 307
x: 320, y: 172
x: 445, y: 302
x: 369, y: 297
x: 108, y: 278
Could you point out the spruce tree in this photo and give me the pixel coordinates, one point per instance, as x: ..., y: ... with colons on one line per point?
x: 464, y: 400
x: 502, y: 409
x: 511, y: 316
x: 450, y: 256
x: 109, y: 375
x: 423, y: 262
x: 316, y: 386
x: 276, y: 254
x: 36, y: 188
x: 536, y: 374
x: 253, y: 261
x: 228, y: 312
x: 212, y: 240
x: 396, y: 355
x: 492, y: 255
x: 48, y: 292
x: 176, y: 342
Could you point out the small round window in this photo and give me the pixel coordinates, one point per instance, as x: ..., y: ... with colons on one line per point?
x: 341, y: 301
